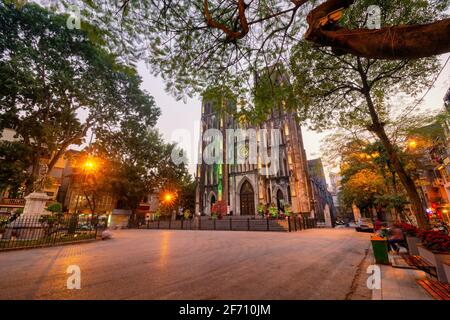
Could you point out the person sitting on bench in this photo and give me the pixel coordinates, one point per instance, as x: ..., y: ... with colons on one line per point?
x: 395, y: 236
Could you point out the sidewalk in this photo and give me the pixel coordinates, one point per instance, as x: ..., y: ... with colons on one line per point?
x: 400, y: 283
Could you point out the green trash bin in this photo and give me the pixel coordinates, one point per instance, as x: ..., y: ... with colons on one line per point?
x: 380, y: 250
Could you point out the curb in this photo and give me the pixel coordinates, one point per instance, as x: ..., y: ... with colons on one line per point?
x: 49, y: 245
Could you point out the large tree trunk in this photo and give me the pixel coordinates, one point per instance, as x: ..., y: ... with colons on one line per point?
x: 393, y: 43
x: 408, y: 183
x: 378, y: 128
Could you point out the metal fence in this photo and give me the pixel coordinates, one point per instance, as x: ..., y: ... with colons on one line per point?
x: 291, y: 224
x: 26, y: 232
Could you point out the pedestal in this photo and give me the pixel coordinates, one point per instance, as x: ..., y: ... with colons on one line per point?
x: 27, y: 226
x: 35, y: 204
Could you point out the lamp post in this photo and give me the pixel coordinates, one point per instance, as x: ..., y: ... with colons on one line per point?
x: 168, y: 198
x: 88, y: 166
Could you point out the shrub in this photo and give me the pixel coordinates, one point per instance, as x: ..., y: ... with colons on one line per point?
x: 3, y: 222
x: 435, y: 241
x: 287, y: 211
x: 55, y: 207
x: 408, y: 229
x: 273, y: 211
x: 187, y: 214
x: 219, y: 208
x: 260, y: 209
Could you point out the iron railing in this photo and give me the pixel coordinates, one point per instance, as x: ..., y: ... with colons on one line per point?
x: 26, y: 232
x: 291, y: 224
x: 12, y: 202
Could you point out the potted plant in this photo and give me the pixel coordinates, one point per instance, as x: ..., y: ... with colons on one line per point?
x: 187, y: 214
x: 261, y: 209
x: 219, y: 209
x: 273, y: 211
x: 287, y: 211
x: 3, y: 223
x: 412, y: 240
x: 158, y: 214
x: 435, y: 248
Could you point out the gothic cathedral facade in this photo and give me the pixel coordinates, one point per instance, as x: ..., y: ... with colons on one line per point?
x: 245, y: 184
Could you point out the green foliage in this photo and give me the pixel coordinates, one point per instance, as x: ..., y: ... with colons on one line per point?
x: 15, y: 159
x: 186, y: 196
x: 273, y: 211
x: 287, y: 210
x: 55, y: 208
x: 158, y: 213
x: 330, y: 87
x: 261, y: 208
x: 187, y: 214
x: 51, y: 222
x: 139, y: 163
x: 174, y: 39
x: 50, y: 75
x: 390, y: 201
x: 361, y: 188
x: 4, y: 221
x: 177, y: 43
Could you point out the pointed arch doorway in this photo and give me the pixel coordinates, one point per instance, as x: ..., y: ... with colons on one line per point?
x: 280, y: 200
x: 247, y: 199
x: 212, y: 201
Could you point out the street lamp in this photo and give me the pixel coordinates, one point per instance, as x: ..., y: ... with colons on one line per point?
x: 412, y: 144
x: 89, y: 165
x: 168, y: 197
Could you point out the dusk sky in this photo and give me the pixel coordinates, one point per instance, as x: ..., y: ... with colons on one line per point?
x: 178, y: 115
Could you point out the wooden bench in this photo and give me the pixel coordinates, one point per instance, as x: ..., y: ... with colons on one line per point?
x: 436, y: 289
x: 420, y: 263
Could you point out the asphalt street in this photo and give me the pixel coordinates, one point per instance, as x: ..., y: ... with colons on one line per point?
x: 165, y: 264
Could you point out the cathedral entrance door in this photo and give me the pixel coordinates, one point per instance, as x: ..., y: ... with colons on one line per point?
x: 247, y: 199
x: 211, y: 203
x: 280, y: 200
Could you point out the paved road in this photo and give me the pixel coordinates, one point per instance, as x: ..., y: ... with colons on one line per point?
x: 163, y: 264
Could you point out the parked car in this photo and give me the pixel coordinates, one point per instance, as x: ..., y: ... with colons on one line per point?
x: 364, y: 225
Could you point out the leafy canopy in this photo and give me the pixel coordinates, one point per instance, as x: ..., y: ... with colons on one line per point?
x: 330, y: 88
x: 57, y: 84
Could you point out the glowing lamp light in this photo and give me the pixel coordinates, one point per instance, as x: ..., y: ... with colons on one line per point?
x: 412, y: 144
x: 168, y: 197
x: 89, y: 165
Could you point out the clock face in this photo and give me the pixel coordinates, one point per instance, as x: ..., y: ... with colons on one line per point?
x: 243, y: 152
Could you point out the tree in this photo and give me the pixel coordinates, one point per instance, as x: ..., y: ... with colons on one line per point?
x: 188, y: 41
x: 368, y: 178
x: 187, y: 194
x: 354, y: 92
x: 56, y: 85
x: 133, y: 154
x: 139, y: 162
x: 361, y: 189
x: 15, y: 159
x: 90, y: 177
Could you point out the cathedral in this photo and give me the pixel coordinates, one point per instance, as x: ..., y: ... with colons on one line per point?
x: 242, y: 180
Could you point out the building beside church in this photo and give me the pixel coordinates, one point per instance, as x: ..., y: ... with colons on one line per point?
x: 245, y: 179
x: 323, y: 206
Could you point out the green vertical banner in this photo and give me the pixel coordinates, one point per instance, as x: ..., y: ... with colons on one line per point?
x: 219, y: 175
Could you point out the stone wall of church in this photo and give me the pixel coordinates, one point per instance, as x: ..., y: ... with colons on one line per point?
x: 289, y: 186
